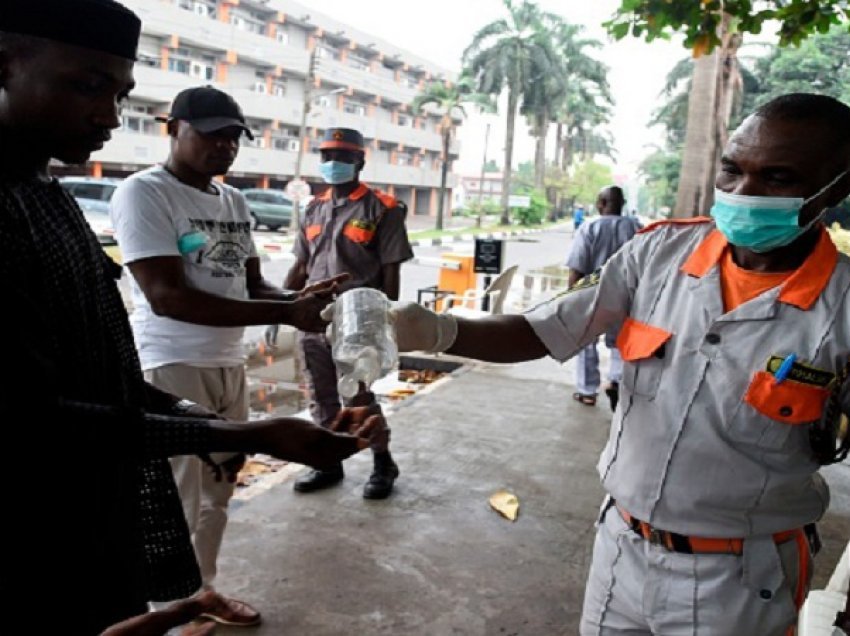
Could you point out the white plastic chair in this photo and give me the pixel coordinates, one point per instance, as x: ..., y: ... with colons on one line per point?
x: 821, y: 606
x: 469, y: 304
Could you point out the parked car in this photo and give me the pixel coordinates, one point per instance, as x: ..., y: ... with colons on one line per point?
x: 93, y: 195
x: 271, y: 208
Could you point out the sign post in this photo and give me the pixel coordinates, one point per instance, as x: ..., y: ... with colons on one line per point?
x: 489, y: 257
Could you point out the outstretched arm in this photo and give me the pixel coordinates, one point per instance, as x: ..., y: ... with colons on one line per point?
x: 164, y: 284
x: 506, y: 338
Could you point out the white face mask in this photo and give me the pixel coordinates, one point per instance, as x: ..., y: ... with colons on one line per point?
x: 762, y: 224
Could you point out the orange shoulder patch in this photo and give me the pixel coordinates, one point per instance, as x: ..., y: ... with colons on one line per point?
x: 694, y: 221
x: 387, y: 199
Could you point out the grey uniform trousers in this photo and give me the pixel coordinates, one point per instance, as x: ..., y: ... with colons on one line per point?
x: 321, y: 376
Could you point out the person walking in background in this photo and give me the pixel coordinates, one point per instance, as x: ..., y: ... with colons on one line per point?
x: 594, y: 243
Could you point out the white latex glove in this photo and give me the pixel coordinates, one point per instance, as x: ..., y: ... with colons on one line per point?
x: 328, y: 314
x: 420, y: 329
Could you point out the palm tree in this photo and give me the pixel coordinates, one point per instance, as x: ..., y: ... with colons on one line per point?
x: 581, y: 80
x: 512, y: 53
x: 448, y: 100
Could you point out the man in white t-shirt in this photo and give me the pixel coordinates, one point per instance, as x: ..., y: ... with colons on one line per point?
x: 196, y: 284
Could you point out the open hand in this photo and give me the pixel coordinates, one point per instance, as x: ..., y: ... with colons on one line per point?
x: 301, y: 441
x: 325, y: 287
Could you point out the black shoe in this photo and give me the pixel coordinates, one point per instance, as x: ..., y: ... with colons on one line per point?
x: 318, y: 479
x: 384, y: 474
x: 613, y: 393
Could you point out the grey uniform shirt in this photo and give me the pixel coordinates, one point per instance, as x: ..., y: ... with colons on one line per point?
x: 357, y: 235
x: 598, y: 240
x: 704, y: 442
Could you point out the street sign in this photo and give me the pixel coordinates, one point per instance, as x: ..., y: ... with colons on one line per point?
x: 519, y: 201
x: 299, y: 189
x: 489, y: 255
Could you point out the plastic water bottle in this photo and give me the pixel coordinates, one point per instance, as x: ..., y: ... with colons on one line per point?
x: 364, y: 347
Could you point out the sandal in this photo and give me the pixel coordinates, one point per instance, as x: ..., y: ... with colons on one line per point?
x: 587, y: 400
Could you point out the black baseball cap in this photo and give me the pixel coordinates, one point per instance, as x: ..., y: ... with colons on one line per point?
x: 207, y: 109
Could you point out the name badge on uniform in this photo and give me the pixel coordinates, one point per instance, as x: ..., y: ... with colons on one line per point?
x: 360, y: 231
x: 801, y: 372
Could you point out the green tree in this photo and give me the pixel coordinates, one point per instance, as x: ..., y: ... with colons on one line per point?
x: 582, y: 79
x: 587, y: 179
x: 821, y: 64
x: 491, y: 166
x: 701, y: 22
x: 511, y: 54
x: 660, y: 171
x: 449, y: 99
x: 718, y: 26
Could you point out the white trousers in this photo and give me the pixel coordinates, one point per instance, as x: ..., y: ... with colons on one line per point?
x: 588, y: 377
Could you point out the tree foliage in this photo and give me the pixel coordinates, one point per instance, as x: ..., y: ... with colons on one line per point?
x: 588, y: 178
x: 699, y: 20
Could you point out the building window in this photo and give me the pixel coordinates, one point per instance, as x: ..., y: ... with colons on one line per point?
x: 247, y: 23
x: 405, y: 120
x: 322, y: 101
x: 473, y: 185
x: 138, y: 119
x: 279, y: 87
x: 199, y: 7
x: 184, y: 61
x: 327, y: 52
x: 282, y: 36
x: 409, y: 81
x: 354, y: 108
x: 359, y: 63
x: 148, y: 59
x: 405, y: 159
x: 285, y: 143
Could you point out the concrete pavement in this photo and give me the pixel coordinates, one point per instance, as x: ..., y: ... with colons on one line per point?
x: 434, y: 559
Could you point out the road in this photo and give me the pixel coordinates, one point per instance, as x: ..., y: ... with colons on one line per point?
x: 529, y: 252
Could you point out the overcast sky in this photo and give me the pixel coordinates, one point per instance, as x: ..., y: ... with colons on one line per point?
x: 440, y: 30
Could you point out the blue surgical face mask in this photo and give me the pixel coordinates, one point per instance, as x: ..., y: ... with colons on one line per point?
x: 337, y: 172
x: 762, y: 224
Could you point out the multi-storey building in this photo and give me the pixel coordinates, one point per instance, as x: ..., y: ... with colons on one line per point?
x: 259, y: 51
x: 475, y: 189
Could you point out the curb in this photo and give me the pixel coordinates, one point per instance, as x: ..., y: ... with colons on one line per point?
x: 457, y: 238
x: 275, y: 250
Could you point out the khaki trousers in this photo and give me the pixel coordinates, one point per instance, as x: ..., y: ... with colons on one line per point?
x: 222, y: 390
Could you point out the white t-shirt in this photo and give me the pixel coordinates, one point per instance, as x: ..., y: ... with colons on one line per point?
x: 150, y: 211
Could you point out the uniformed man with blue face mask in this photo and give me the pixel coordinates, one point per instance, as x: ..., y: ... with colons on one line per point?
x: 356, y: 230
x: 735, y: 336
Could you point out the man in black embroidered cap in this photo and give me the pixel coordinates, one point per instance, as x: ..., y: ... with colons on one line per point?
x: 93, y: 436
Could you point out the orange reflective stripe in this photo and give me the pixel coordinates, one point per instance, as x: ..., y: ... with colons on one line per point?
x: 387, y: 199
x: 638, y: 340
x: 312, y: 231
x: 359, y: 192
x: 789, y: 401
x: 803, y: 574
x: 358, y: 234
